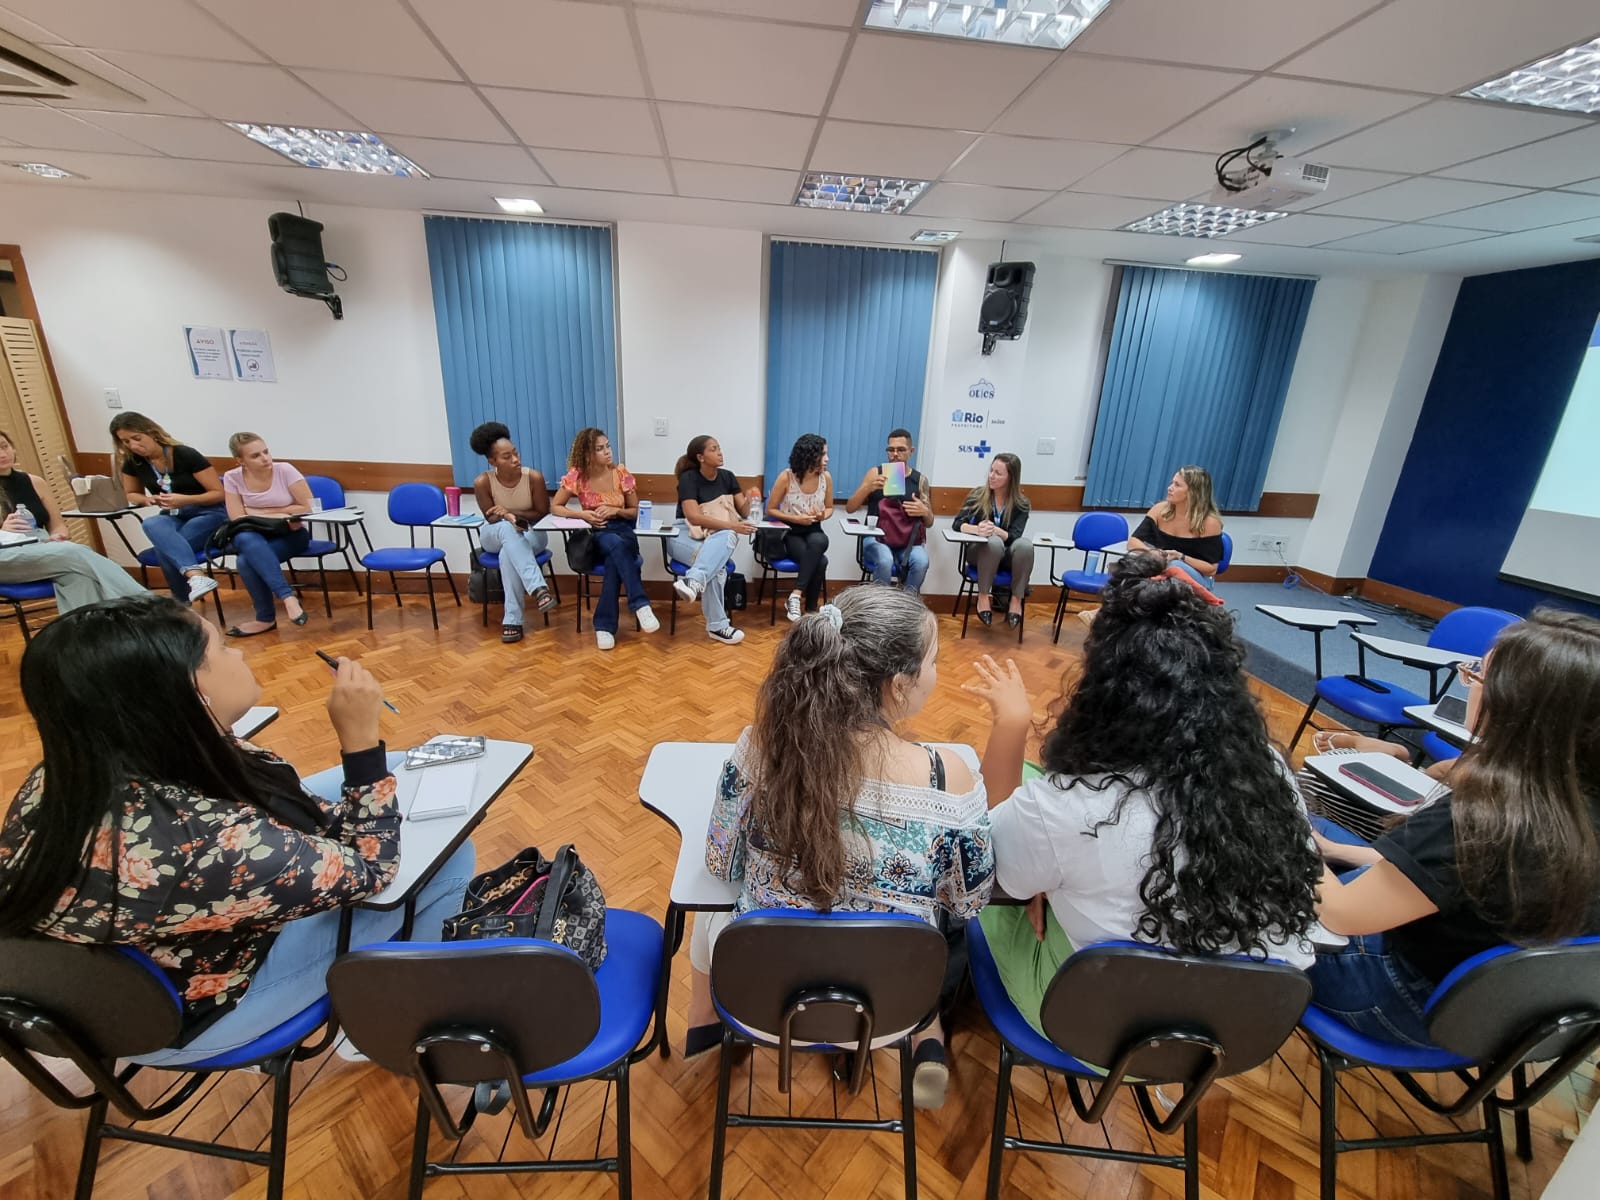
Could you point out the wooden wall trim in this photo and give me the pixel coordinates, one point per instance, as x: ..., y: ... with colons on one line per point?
x: 1333, y: 585
x: 1417, y: 602
x: 355, y: 476
x: 1069, y: 498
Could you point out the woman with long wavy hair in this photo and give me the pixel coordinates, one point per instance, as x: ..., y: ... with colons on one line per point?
x: 997, y: 510
x: 179, y: 482
x: 1510, y: 853
x: 825, y: 805
x: 802, y: 499
x: 1185, y: 528
x: 1164, y: 814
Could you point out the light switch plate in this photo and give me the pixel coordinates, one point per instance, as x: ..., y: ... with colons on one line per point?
x: 1046, y: 446
x: 113, y: 397
x: 661, y: 427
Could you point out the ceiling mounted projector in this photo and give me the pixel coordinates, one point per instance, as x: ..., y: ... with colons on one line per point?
x: 1258, y: 177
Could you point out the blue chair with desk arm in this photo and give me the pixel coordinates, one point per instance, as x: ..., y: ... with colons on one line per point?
x: 1468, y: 632
x: 774, y: 566
x: 677, y: 570
x: 331, y: 493
x: 1092, y: 533
x: 490, y: 562
x: 527, y: 1012
x: 96, y: 1006
x: 20, y: 596
x: 415, y: 506
x: 1489, y: 1018
x: 1153, y: 1016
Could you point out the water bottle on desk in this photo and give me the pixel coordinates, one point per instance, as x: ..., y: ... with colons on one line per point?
x: 646, y: 511
x: 757, y: 511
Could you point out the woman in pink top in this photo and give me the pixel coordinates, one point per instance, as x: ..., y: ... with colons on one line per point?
x: 259, y: 487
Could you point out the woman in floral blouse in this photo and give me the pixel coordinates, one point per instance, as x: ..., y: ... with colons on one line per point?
x: 148, y: 825
x: 610, y: 504
x: 824, y: 806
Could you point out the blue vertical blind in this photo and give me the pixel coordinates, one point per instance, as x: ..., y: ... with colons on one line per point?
x: 847, y: 350
x: 527, y: 334
x: 1197, y: 372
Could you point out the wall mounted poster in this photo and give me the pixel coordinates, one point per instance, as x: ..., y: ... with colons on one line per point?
x: 208, y: 356
x: 252, y: 356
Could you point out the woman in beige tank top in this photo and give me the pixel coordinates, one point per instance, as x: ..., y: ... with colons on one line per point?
x: 511, y: 498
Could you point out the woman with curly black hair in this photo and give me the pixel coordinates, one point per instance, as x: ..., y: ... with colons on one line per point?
x: 802, y: 499
x: 512, y: 498
x: 1164, y: 814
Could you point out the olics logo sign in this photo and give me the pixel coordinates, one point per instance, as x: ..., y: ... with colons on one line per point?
x: 982, y: 449
x: 982, y: 390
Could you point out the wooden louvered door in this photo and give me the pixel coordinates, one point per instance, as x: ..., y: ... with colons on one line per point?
x: 31, y: 412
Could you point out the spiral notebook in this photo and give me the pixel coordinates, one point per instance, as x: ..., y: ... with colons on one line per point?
x: 443, y: 791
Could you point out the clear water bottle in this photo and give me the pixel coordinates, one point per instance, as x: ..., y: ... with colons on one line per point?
x: 29, y: 523
x: 757, y: 511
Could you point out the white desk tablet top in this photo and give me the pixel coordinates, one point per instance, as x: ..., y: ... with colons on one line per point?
x: 551, y: 521
x: 7, y: 538
x: 679, y: 785
x: 254, y: 721
x: 1411, y: 652
x: 1424, y: 714
x: 656, y: 529
x: 855, y: 528
x: 1326, y: 767
x: 336, y: 516
x: 459, y: 521
x: 1314, y: 618
x: 954, y: 535
x: 110, y: 515
x: 424, y: 843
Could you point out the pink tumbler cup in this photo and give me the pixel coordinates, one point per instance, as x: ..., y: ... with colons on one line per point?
x: 452, y: 501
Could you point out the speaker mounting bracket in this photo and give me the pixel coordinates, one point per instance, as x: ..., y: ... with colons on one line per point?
x: 989, y: 340
x: 335, y: 306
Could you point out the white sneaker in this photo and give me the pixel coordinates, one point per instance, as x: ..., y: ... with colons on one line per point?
x: 686, y: 589
x: 647, y: 619
x: 605, y: 640
x: 728, y: 635
x: 200, y: 585
x: 792, y: 608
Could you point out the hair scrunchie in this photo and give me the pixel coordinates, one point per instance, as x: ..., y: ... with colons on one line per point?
x: 833, y: 616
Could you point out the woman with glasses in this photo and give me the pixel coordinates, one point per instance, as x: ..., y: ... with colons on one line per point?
x: 1510, y: 852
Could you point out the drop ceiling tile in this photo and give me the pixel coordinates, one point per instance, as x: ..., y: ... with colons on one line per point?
x: 148, y: 99
x: 723, y: 181
x: 1111, y: 100
x: 1031, y: 162
x: 848, y: 148
x: 236, y: 91
x: 1423, y: 196
x: 1587, y: 185
x: 1525, y: 212
x: 612, y: 124
x: 376, y: 36
x: 978, y: 203
x: 444, y: 159
x: 805, y: 12
x: 1306, y: 229
x: 1319, y: 112
x: 1252, y: 34
x: 1441, y: 47
x: 48, y: 129
x: 1553, y: 162
x: 186, y: 137
x: 422, y: 108
x: 21, y: 27
x: 1083, y: 210
x: 159, y: 26
x: 1402, y: 239
x: 736, y: 135
x: 176, y: 176
x: 554, y: 45
x: 1440, y: 134
x: 934, y: 81
x: 606, y: 172
x: 1153, y: 174
x: 749, y: 64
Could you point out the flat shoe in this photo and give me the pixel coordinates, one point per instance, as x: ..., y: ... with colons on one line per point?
x: 987, y: 617
x: 235, y: 631
x: 510, y: 633
x: 301, y: 619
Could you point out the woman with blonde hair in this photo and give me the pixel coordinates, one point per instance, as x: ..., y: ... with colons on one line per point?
x: 160, y: 472
x: 262, y: 487
x: 1185, y: 528
x: 997, y: 510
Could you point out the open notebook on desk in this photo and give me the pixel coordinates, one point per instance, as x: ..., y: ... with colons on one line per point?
x: 439, y: 791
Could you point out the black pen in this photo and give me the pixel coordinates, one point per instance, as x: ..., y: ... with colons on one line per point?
x: 334, y: 663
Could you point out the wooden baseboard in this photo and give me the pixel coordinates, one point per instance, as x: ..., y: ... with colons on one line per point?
x: 1400, y: 597
x: 1333, y: 585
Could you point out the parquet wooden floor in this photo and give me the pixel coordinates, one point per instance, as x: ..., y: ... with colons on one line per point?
x: 593, y: 720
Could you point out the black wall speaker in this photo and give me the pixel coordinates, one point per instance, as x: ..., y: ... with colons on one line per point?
x: 1005, y: 302
x: 297, y: 260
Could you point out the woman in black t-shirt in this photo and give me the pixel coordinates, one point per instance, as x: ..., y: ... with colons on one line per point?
x: 1185, y: 528
x: 1510, y: 854
x: 159, y: 472
x: 710, y: 503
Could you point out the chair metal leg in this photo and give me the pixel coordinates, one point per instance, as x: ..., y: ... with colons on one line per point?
x: 1191, y: 1156
x: 1329, y: 1137
x: 671, y: 938
x: 1304, y: 721
x: 1061, y: 613
x: 355, y: 579
x: 395, y: 585
x: 997, y: 1138
x: 327, y: 600
x: 719, y: 1129
x: 1497, y: 1149
x: 278, y: 1139
x: 966, y: 614
x: 1519, y: 1117
x: 419, y: 1152
x: 90, y: 1158
x: 624, y: 1137
x: 451, y: 580
x: 908, y: 1117
x: 369, y: 603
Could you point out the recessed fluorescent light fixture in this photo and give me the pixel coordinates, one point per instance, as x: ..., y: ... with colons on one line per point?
x: 519, y: 207
x: 859, y: 193
x: 1568, y: 80
x: 1201, y: 220
x: 333, y: 149
x: 1213, y: 260
x: 1052, y: 24
x: 44, y: 170
x: 935, y: 237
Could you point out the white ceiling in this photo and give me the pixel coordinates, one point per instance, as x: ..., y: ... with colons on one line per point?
x: 707, y: 111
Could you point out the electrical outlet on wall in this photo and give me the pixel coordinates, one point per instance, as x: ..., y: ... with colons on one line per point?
x: 661, y: 426
x: 113, y: 397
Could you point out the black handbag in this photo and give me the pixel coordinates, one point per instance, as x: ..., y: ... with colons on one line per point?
x: 582, y: 553
x: 557, y: 900
x: 484, y: 586
x: 221, y: 541
x: 736, y: 592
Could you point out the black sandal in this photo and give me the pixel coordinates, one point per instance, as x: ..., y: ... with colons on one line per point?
x: 510, y: 634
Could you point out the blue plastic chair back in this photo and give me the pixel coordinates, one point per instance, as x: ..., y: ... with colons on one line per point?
x: 1227, y: 553
x: 416, y: 504
x: 1097, y: 530
x: 1470, y: 630
x: 330, y: 491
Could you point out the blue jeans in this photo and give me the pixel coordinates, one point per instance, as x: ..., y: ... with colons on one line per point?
x: 519, y: 569
x: 1373, y: 991
x: 619, y: 546
x: 259, y: 558
x: 707, y: 562
x: 178, y: 536
x: 885, y: 562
